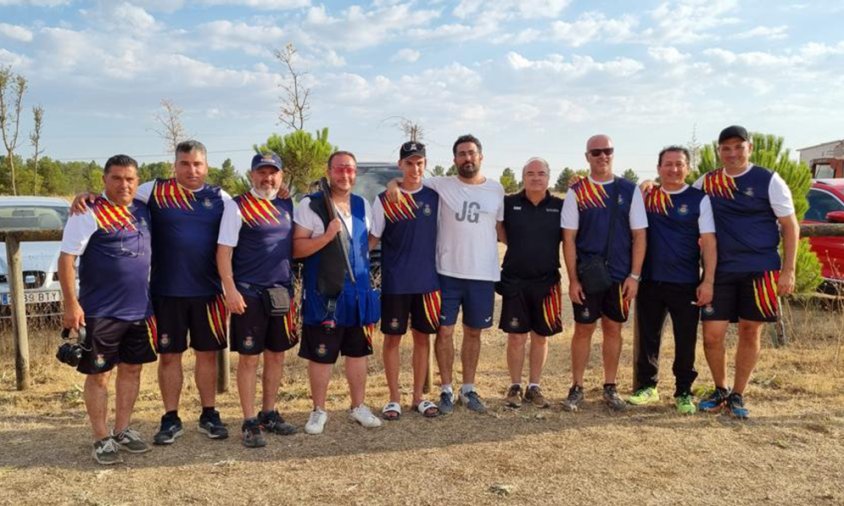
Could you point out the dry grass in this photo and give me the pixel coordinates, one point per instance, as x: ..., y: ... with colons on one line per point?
x: 792, y: 451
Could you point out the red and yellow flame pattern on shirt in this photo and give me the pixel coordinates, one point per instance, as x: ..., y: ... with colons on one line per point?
x: 765, y: 293
x: 112, y: 217
x: 170, y: 194
x: 658, y: 202
x: 256, y: 211
x: 589, y: 195
x: 403, y: 209
x: 719, y: 184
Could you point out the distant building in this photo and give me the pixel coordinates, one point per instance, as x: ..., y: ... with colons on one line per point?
x: 825, y: 160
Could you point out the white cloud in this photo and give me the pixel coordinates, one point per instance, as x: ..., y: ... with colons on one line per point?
x: 508, y: 9
x: 591, y: 27
x: 577, y: 67
x: 249, y: 38
x: 15, y: 32
x: 35, y: 3
x: 406, y: 55
x: 120, y: 16
x: 262, y: 4
x: 689, y: 21
x: 764, y: 32
x: 670, y: 55
x: 15, y: 60
x: 750, y: 58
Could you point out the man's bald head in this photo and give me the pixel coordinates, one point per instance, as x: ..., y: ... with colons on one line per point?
x: 599, y: 141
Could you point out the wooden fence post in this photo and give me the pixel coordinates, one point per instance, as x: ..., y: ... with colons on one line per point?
x: 18, y: 303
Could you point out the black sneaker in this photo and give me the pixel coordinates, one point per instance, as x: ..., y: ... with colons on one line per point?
x: 613, y: 400
x: 212, y: 426
x: 574, y: 399
x: 273, y: 422
x: 171, y: 428
x: 253, y: 436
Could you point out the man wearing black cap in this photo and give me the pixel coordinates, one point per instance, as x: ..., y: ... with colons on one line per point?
x: 253, y: 258
x: 407, y: 229
x: 752, y: 207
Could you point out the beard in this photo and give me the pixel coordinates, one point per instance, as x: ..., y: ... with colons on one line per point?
x: 468, y: 170
x: 269, y: 193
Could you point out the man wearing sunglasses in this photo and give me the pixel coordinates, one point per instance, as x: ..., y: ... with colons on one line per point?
x: 604, y: 222
x: 254, y: 251
x: 336, y: 322
x: 112, y: 242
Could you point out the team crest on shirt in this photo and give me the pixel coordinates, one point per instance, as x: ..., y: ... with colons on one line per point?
x: 427, y: 210
x: 683, y: 210
x: 748, y: 191
x: 709, y: 310
x: 100, y: 361
x: 620, y: 200
x: 394, y: 323
x: 207, y: 203
x: 514, y: 322
x: 164, y: 341
x: 248, y: 342
x: 321, y: 350
x: 585, y: 313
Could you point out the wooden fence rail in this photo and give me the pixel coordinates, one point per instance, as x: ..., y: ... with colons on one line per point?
x: 13, y: 238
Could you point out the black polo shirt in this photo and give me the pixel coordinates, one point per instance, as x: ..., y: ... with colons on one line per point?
x: 533, y: 238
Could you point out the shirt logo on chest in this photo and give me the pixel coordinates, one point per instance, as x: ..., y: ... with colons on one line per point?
x: 471, y: 212
x: 748, y: 191
x: 683, y: 210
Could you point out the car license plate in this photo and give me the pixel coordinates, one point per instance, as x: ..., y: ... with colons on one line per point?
x: 33, y: 297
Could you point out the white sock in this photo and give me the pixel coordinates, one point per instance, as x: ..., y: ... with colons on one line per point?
x: 466, y: 388
x: 447, y: 389
x: 531, y: 385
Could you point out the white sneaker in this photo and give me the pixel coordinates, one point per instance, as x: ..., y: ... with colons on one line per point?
x: 363, y: 415
x: 316, y: 422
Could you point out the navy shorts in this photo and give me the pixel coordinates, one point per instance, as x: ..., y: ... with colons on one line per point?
x: 255, y: 331
x: 476, y: 297
x: 609, y: 303
x: 743, y: 295
x: 324, y: 347
x: 110, y: 342
x: 532, y: 308
x: 423, y: 309
x: 204, y: 317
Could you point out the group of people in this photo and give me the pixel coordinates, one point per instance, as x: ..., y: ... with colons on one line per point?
x: 189, y: 258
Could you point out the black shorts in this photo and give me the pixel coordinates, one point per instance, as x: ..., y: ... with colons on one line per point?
x: 532, y: 307
x: 609, y: 303
x: 743, y: 295
x: 423, y: 309
x: 255, y: 331
x: 112, y: 342
x: 324, y: 347
x: 204, y: 317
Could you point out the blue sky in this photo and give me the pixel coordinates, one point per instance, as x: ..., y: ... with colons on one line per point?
x: 529, y: 78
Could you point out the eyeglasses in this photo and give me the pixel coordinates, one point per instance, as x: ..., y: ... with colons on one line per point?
x: 597, y: 152
x: 344, y: 169
x: 131, y: 243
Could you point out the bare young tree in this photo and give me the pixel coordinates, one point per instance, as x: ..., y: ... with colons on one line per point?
x: 295, y: 105
x: 171, y: 131
x: 35, y: 140
x: 12, y: 89
x: 413, y: 131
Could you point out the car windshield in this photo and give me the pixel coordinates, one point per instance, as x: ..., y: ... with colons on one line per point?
x: 373, y: 179
x: 33, y: 217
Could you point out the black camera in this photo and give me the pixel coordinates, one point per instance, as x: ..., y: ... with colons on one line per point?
x: 70, y: 351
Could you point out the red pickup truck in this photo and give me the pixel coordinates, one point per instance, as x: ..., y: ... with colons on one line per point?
x: 826, y: 205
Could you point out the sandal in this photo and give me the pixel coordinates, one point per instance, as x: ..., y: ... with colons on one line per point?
x: 391, y: 411
x: 427, y: 409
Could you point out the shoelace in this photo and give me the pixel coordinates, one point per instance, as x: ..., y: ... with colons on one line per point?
x: 314, y: 418
x: 130, y: 434
x: 109, y: 446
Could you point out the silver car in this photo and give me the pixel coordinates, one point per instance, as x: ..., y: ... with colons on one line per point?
x: 39, y: 259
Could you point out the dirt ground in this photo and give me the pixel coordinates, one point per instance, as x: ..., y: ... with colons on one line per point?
x: 790, y: 452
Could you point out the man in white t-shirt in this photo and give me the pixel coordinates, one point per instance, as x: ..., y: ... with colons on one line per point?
x: 471, y: 209
x: 603, y: 223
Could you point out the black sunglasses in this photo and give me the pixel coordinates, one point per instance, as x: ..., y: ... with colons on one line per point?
x: 598, y: 151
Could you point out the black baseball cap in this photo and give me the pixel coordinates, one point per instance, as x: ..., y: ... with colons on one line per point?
x: 411, y: 148
x: 266, y: 160
x: 733, y: 131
